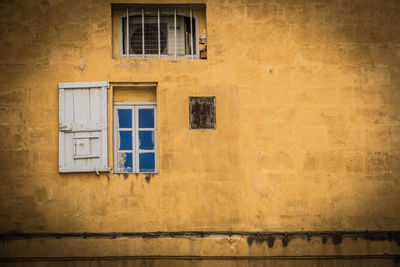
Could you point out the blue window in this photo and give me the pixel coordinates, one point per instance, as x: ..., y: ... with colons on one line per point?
x: 135, y: 138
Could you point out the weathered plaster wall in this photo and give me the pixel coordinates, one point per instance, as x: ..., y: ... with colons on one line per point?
x: 308, y: 120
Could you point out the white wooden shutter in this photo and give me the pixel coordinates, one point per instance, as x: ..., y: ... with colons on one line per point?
x: 83, y: 127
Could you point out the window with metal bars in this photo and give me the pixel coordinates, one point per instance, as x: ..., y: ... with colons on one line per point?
x: 163, y: 31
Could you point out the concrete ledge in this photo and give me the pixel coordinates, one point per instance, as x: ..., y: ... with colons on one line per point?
x: 211, y: 246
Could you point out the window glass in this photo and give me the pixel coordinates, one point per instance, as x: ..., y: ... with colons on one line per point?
x: 124, y: 162
x: 125, y: 140
x: 146, y: 140
x: 146, y: 118
x: 125, y: 118
x: 146, y: 162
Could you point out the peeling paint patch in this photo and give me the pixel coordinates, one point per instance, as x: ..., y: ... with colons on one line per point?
x: 337, y: 239
x: 148, y: 178
x: 261, y: 239
x: 270, y: 240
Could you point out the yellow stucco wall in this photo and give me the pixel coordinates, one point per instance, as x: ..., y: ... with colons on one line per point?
x: 308, y: 123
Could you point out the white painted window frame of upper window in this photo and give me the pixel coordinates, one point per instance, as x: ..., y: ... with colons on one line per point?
x: 135, y: 129
x: 195, y: 36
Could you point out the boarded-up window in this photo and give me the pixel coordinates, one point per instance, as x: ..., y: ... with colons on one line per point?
x: 202, y: 113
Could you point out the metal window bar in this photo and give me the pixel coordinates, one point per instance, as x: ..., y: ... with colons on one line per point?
x: 150, y: 37
x: 191, y: 31
x: 143, y: 31
x: 159, y: 35
x: 175, y: 32
x: 127, y: 32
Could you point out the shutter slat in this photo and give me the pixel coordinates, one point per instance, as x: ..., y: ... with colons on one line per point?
x: 68, y: 150
x: 61, y: 158
x: 68, y: 106
x: 95, y: 110
x: 103, y: 118
x: 81, y: 106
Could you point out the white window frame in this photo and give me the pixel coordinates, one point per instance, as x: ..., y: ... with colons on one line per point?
x: 135, y: 105
x: 178, y: 13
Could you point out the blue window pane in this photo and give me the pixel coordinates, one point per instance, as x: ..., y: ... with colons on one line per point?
x: 125, y: 162
x: 125, y: 118
x: 146, y: 140
x: 125, y: 140
x: 146, y: 162
x: 146, y: 118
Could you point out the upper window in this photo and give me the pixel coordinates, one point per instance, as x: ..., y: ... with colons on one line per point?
x: 161, y: 30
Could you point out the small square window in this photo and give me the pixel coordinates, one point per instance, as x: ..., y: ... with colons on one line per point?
x: 202, y: 113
